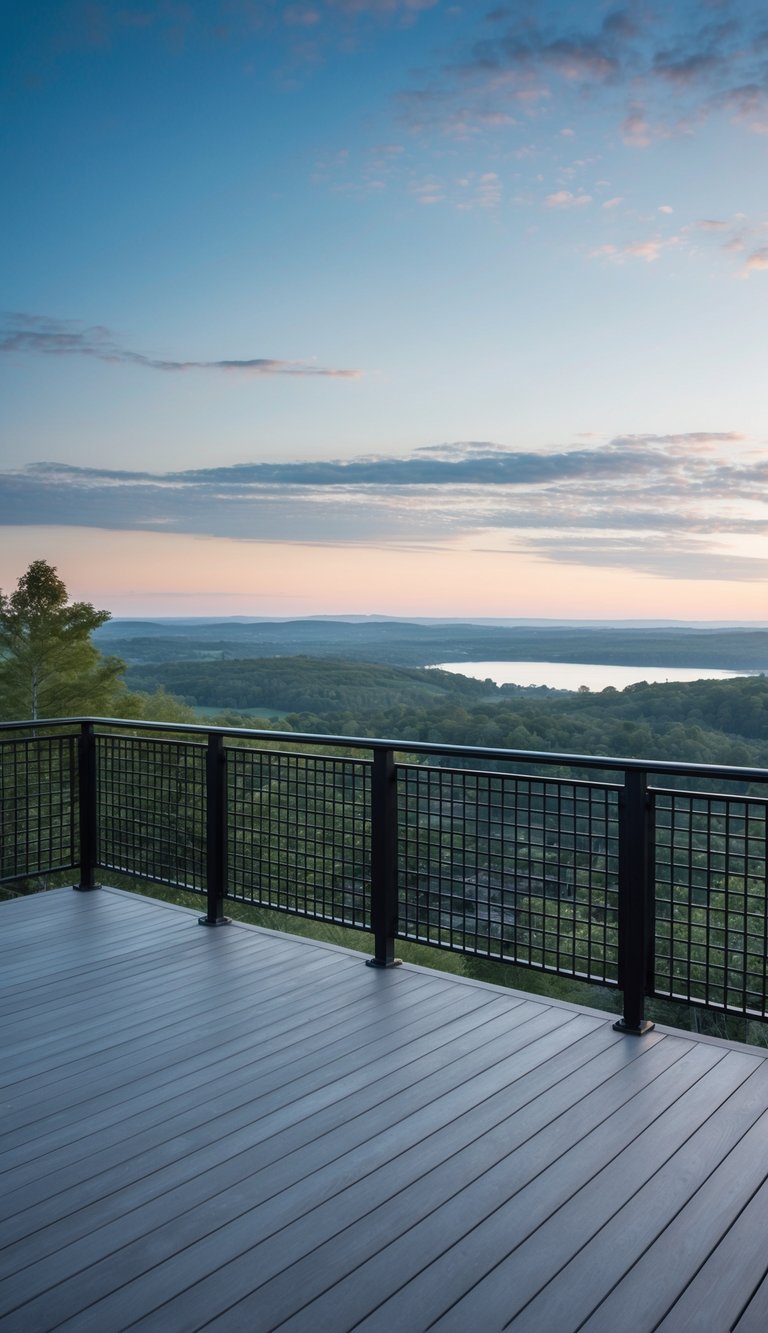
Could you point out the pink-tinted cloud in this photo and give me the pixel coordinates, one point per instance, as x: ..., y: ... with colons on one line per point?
x: 646, y: 250
x: 649, y: 250
x: 565, y: 199
x: 756, y: 262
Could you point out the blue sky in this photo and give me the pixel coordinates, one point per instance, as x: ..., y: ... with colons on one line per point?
x: 368, y: 305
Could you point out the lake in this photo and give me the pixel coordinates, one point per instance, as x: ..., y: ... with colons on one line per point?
x: 571, y: 675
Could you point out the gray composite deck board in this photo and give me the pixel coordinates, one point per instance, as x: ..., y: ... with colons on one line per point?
x: 238, y: 1129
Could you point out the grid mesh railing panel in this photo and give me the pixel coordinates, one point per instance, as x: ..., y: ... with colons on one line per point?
x: 151, y: 810
x: 711, y: 900
x: 508, y: 867
x: 299, y: 834
x: 39, y: 809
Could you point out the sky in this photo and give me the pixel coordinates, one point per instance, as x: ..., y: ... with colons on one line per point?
x: 386, y: 306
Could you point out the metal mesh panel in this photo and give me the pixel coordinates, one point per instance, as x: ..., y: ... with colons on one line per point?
x: 711, y: 931
x: 151, y: 810
x: 38, y: 806
x: 511, y: 867
x: 299, y: 834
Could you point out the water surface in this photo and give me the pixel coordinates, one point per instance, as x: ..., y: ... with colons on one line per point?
x: 572, y: 675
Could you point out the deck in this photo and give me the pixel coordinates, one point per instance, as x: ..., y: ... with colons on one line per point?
x: 234, y: 1128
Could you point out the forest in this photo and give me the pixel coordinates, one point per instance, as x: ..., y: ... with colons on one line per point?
x: 304, y: 684
x: 705, y: 721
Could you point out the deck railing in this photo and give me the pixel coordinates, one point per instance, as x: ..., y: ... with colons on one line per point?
x: 643, y: 875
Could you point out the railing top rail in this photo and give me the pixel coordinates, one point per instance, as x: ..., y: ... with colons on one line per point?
x: 606, y: 763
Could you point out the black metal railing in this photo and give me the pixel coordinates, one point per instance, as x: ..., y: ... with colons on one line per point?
x: 643, y: 875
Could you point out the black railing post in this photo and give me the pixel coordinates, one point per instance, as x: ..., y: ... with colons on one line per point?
x: 635, y: 900
x: 86, y: 783
x: 216, y: 831
x: 383, y: 857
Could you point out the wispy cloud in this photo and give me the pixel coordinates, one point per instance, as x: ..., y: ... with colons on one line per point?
x: 43, y: 336
x: 472, y: 463
x: 667, y: 503
x: 685, y: 560
x: 734, y: 235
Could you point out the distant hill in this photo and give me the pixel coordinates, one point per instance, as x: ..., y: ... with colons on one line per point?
x: 408, y: 643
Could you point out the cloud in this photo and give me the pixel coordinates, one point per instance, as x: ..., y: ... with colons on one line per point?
x: 649, y: 48
x: 636, y: 130
x: 599, y: 502
x: 565, y: 199
x: 692, y: 68
x: 672, y: 505
x: 648, y: 250
x: 428, y: 191
x: 746, y: 104
x: 459, y: 464
x: 43, y: 336
x: 756, y: 262
x: 683, y: 560
x: 539, y: 76
x: 657, y: 72
x: 574, y: 57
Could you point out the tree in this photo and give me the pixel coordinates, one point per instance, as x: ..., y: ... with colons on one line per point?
x: 48, y: 665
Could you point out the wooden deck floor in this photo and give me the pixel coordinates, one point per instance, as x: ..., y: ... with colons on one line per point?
x: 250, y: 1131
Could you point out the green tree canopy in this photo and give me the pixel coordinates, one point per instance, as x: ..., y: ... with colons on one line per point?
x: 48, y: 665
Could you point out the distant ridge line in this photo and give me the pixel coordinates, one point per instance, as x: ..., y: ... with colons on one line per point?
x: 426, y: 621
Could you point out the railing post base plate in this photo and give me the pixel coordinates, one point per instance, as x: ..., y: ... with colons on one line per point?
x: 645, y: 1026
x: 85, y: 888
x: 377, y: 962
x: 220, y: 921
